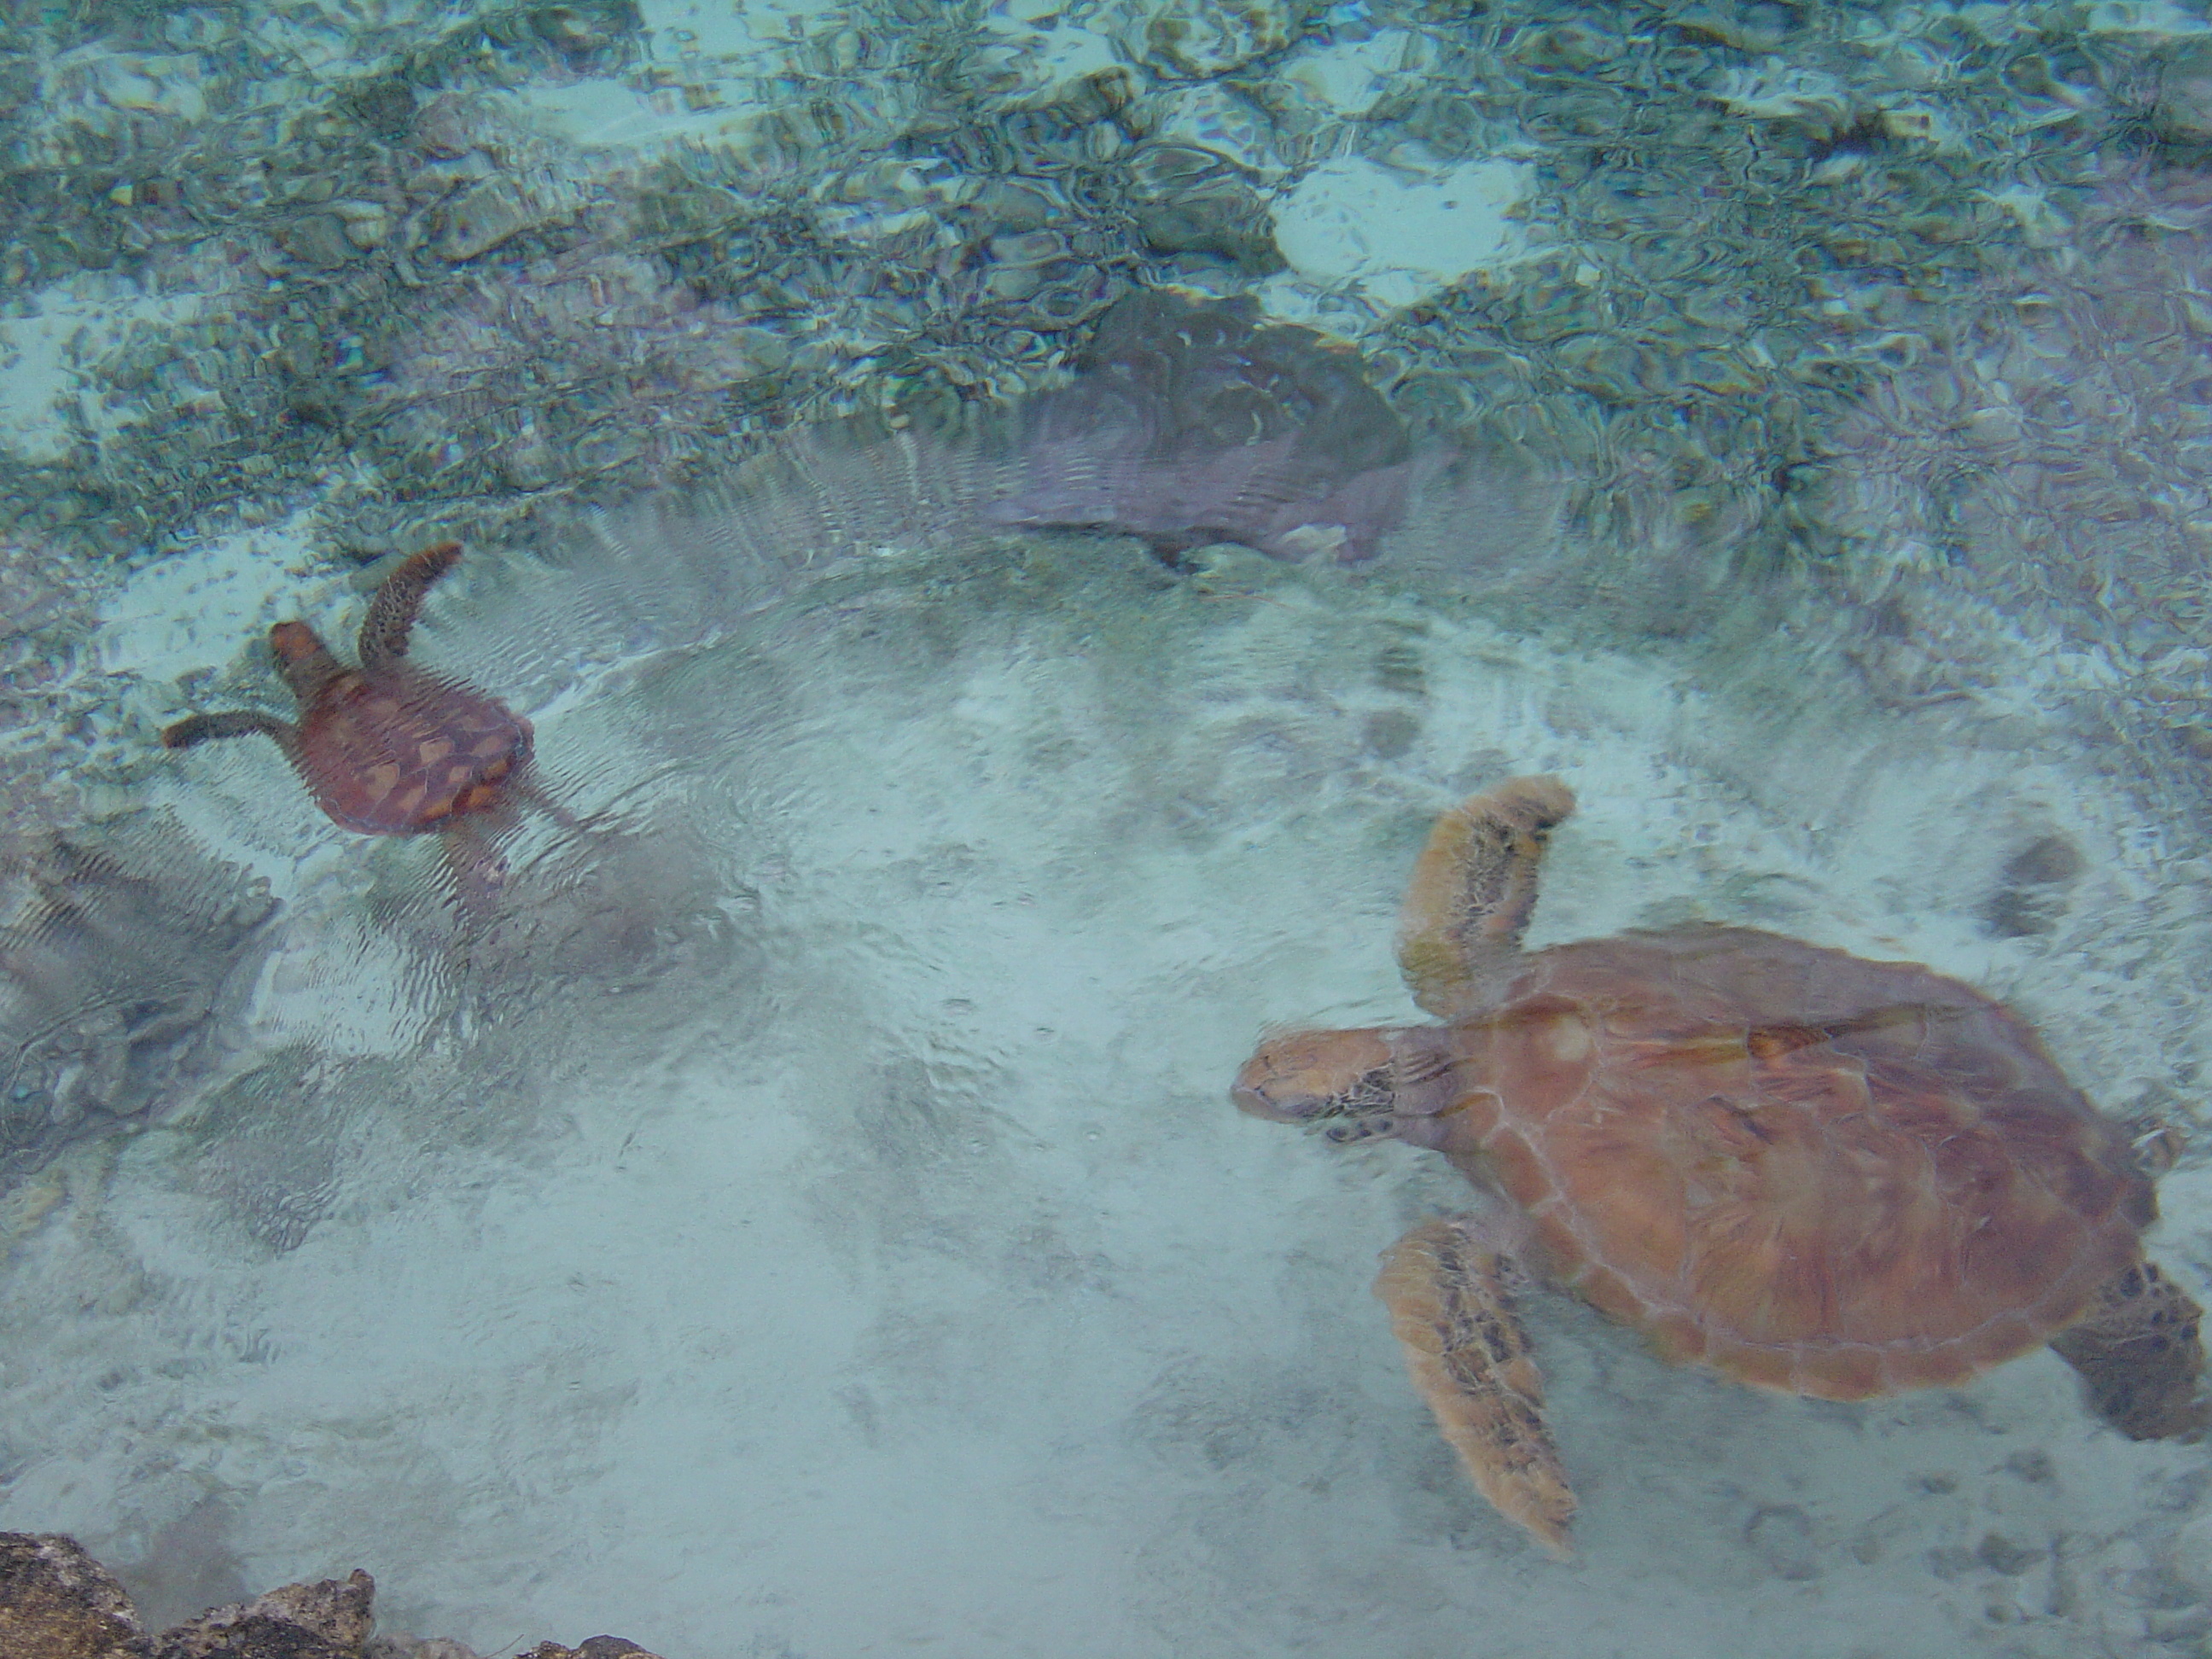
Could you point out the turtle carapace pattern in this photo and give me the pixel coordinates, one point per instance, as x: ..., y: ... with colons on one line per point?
x: 1807, y: 1171
x: 386, y: 749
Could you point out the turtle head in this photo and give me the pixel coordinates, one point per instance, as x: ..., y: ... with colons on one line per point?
x: 1308, y: 1077
x: 303, y: 660
x: 1401, y: 1082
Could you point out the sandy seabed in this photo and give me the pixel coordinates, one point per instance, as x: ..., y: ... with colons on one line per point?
x: 881, y: 1266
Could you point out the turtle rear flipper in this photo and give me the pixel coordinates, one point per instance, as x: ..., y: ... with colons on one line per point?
x: 1459, y: 931
x: 1469, y: 1357
x: 2138, y: 1351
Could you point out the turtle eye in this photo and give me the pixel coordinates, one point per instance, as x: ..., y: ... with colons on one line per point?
x: 1352, y: 1130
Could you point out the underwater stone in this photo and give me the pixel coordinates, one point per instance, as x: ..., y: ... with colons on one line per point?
x: 385, y: 107
x: 1228, y: 219
x: 319, y: 239
x: 366, y: 223
x: 2001, y: 1555
x: 1017, y: 205
x: 1035, y: 247
x: 1100, y: 95
x: 1218, y: 118
x: 1773, y: 90
x: 1188, y: 199
x: 1351, y: 78
x: 1605, y: 366
x: 57, y: 1602
x: 1572, y: 47
x: 1016, y: 66
x: 478, y: 221
x: 1198, y: 38
x: 330, y: 1620
x: 1755, y: 27
x: 2183, y: 114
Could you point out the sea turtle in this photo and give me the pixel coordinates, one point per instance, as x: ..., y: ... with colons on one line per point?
x: 386, y: 749
x: 1808, y: 1172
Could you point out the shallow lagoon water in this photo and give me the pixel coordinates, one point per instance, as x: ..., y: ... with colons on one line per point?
x: 811, y: 1220
x: 888, y: 1269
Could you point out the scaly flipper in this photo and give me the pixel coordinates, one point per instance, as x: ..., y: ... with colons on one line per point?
x: 477, y: 866
x: 1459, y: 931
x: 391, y: 612
x: 1469, y: 1357
x: 2138, y: 1351
x: 204, y: 728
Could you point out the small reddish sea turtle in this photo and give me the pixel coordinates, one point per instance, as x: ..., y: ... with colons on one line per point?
x: 1806, y: 1171
x: 386, y: 748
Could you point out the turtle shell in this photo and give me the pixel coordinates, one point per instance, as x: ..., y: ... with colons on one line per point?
x: 1815, y: 1173
x: 397, y: 752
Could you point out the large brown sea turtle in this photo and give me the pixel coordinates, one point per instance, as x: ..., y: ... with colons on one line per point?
x: 1808, y: 1172
x: 386, y: 749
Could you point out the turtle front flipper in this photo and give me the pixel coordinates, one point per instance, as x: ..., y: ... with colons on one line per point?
x: 1459, y: 931
x: 391, y: 612
x: 2138, y: 1351
x: 1468, y: 1356
x: 205, y: 728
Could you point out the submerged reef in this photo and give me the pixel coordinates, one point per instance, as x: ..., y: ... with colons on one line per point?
x: 57, y: 1602
x: 459, y: 277
x: 46, y: 709
x: 2040, y: 472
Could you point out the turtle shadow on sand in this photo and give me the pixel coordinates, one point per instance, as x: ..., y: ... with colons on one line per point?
x: 1811, y: 1173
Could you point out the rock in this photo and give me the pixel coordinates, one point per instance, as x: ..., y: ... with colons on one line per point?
x: 1202, y: 38
x: 57, y: 1602
x: 319, y: 239
x: 385, y: 107
x: 1816, y: 102
x: 366, y: 223
x: 330, y: 1620
x: 2183, y: 114
x: 478, y: 221
x: 1570, y: 48
x: 1188, y: 199
x: 1229, y: 220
